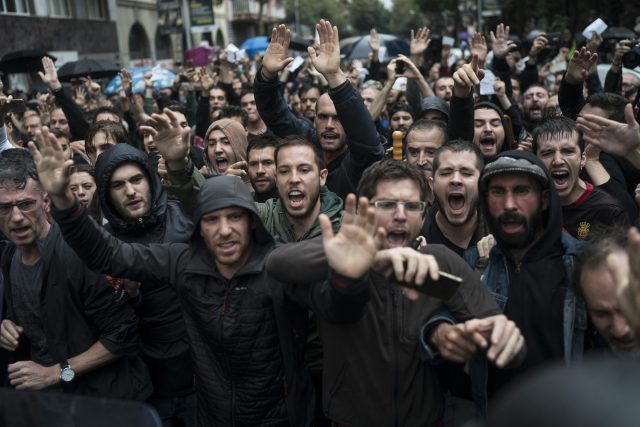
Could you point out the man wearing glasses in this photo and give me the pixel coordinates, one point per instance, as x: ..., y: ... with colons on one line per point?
x: 374, y: 370
x: 63, y: 327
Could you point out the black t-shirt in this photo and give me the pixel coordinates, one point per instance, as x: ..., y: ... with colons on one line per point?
x: 433, y: 234
x: 26, y: 287
x: 592, y: 208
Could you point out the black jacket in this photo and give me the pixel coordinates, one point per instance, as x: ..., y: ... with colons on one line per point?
x: 162, y: 326
x: 80, y: 308
x: 364, y: 142
x: 243, y: 375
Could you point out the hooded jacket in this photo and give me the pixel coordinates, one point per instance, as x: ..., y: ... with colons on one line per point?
x: 162, y: 326
x: 247, y: 333
x: 236, y: 135
x: 539, y: 283
x: 461, y: 120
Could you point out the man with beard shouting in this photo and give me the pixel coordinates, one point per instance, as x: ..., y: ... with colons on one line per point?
x: 530, y: 268
x: 342, y: 126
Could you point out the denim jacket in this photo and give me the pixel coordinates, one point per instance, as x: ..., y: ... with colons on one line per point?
x: 496, y: 278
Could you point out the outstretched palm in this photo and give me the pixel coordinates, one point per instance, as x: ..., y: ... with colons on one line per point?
x: 326, y: 58
x: 51, y: 162
x: 352, y: 251
x: 276, y: 57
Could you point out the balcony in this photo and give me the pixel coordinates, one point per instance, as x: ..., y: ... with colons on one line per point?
x: 247, y: 10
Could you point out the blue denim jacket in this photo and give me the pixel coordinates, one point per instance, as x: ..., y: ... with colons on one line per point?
x: 496, y: 278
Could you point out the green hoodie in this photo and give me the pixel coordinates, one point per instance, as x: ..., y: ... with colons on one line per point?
x: 275, y: 219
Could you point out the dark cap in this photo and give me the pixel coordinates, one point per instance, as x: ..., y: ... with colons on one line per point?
x: 507, y: 164
x: 434, y: 103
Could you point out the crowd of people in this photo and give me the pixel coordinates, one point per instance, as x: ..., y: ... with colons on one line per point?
x: 245, y: 248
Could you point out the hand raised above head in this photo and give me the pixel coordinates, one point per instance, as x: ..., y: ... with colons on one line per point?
x: 53, y: 167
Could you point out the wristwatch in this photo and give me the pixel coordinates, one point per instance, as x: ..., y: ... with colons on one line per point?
x: 66, y: 373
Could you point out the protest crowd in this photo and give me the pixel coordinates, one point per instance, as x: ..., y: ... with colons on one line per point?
x: 274, y: 241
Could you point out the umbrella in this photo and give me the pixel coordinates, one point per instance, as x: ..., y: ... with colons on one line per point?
x: 255, y: 45
x: 23, y: 61
x: 95, y: 68
x: 358, y: 47
x: 162, y: 78
x: 618, y: 33
x: 200, y: 56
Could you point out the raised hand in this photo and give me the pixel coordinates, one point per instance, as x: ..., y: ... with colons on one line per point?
x: 126, y: 79
x: 410, y: 69
x: 466, y: 78
x: 276, y: 57
x: 594, y: 42
x: 500, y: 43
x: 326, y: 58
x: 619, y: 139
x: 580, y: 65
x: 53, y: 168
x: 171, y: 140
x: 419, y: 41
x: 374, y: 40
x: 478, y: 46
x: 50, y: 75
x: 538, y: 44
x: 352, y: 251
x: 207, y: 80
x: 80, y: 96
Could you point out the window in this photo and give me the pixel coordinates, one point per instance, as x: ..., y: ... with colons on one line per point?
x: 19, y: 7
x: 60, y: 8
x: 96, y: 9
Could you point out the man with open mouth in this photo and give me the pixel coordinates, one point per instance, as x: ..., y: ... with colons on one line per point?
x: 488, y: 129
x: 534, y: 103
x: 454, y: 220
x: 226, y: 144
x: 560, y: 147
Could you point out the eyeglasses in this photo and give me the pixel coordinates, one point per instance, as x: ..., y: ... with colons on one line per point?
x: 392, y: 205
x: 24, y: 206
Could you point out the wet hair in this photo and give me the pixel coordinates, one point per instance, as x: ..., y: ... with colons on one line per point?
x: 390, y: 170
x: 307, y: 87
x: 556, y: 127
x: 262, y: 141
x: 612, y: 103
x: 105, y: 110
x: 233, y: 111
x: 114, y: 131
x: 16, y: 168
x: 459, y: 146
x: 427, y: 124
x: 177, y: 107
x: 300, y: 141
x: 603, y: 240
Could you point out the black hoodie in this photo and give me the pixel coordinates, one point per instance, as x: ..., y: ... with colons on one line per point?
x: 537, y: 284
x: 162, y: 326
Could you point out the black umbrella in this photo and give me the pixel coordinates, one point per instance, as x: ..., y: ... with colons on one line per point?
x: 95, y: 68
x: 23, y: 61
x: 358, y: 47
x: 618, y: 33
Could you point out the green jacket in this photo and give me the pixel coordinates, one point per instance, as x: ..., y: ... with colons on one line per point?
x: 273, y: 216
